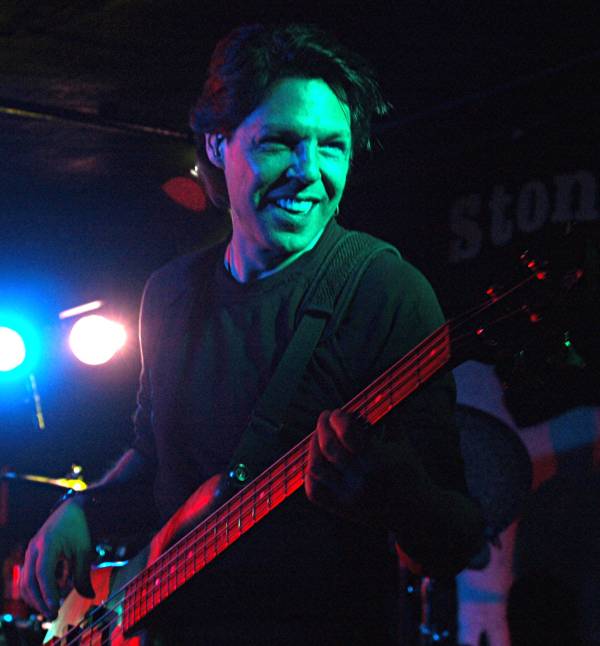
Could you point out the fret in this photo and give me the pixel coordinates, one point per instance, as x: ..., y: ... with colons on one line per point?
x: 127, y: 619
x: 172, y: 579
x: 156, y: 589
x: 148, y: 592
x: 144, y: 595
x: 261, y: 506
x: 224, y: 542
x: 231, y: 526
x: 241, y: 511
x: 188, y: 563
x: 131, y: 605
x: 199, y: 560
x: 205, y: 550
x: 177, y: 570
x: 164, y: 583
x: 218, y: 537
x: 198, y: 565
x: 136, y: 605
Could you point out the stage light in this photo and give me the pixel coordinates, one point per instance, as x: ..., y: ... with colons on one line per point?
x: 80, y: 309
x: 94, y: 339
x: 19, y: 347
x: 12, y: 349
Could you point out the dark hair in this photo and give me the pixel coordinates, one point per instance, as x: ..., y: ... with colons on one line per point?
x: 251, y: 58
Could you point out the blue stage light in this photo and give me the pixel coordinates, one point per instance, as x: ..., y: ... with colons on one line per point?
x: 12, y: 349
x: 19, y: 346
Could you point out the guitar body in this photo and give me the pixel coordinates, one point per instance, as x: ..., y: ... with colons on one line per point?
x: 75, y: 608
x: 100, y: 619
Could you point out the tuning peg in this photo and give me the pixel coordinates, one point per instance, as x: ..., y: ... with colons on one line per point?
x: 492, y: 293
x: 535, y: 267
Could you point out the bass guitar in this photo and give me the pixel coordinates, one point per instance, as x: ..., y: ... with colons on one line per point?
x: 126, y: 596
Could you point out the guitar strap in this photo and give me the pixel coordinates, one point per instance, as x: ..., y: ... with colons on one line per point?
x: 318, y: 316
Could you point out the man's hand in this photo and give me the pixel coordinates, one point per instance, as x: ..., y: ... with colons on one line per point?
x: 340, y: 462
x: 65, y: 534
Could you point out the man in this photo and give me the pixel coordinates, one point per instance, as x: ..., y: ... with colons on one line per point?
x: 281, y: 115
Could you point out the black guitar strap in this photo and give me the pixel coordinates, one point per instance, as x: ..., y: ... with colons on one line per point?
x: 319, y: 315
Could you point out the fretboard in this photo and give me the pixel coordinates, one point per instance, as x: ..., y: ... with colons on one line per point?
x: 242, y: 511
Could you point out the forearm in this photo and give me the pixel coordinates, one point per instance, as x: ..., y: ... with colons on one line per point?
x: 121, y: 503
x: 439, y: 529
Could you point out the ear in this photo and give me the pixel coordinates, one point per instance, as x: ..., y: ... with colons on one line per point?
x: 214, y: 144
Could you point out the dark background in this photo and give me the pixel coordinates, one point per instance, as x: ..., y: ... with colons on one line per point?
x: 484, y: 94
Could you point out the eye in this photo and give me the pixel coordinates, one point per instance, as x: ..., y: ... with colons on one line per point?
x: 334, y: 145
x: 274, y: 143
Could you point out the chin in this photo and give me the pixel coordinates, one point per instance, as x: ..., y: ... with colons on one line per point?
x: 290, y: 242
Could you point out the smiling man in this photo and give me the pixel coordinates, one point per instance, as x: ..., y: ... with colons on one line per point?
x: 285, y: 168
x: 281, y: 115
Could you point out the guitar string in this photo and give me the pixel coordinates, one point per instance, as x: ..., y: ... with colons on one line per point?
x: 420, y: 349
x: 379, y: 394
x: 451, y: 327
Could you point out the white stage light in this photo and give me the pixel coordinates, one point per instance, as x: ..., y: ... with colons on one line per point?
x: 95, y: 339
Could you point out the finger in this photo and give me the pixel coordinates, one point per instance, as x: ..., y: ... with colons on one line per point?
x: 349, y: 430
x: 330, y: 446
x: 81, y: 575
x: 28, y: 586
x: 321, y: 475
x: 46, y: 578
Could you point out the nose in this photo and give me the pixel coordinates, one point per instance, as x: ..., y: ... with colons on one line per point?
x: 305, y: 163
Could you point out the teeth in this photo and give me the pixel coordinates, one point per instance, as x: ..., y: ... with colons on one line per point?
x: 297, y: 206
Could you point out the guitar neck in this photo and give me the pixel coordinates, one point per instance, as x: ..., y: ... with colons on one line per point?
x: 241, y: 512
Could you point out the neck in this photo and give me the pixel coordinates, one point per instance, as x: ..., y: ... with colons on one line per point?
x: 246, y: 262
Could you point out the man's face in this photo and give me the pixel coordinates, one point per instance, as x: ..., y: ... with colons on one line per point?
x: 286, y: 166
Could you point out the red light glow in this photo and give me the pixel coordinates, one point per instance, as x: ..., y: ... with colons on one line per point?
x: 186, y: 192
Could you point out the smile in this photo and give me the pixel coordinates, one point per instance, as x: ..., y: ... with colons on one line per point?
x: 294, y: 206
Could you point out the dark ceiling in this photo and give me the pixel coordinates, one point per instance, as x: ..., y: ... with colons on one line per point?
x: 144, y: 61
x: 83, y: 213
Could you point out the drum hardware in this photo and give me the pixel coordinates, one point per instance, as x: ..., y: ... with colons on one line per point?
x: 438, y: 604
x: 498, y: 472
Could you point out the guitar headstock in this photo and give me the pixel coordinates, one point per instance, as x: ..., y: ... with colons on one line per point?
x: 537, y: 308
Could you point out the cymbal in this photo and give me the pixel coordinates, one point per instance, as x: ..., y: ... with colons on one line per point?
x: 62, y: 483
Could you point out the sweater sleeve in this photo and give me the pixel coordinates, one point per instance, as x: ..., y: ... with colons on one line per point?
x: 149, y: 328
x: 420, y: 485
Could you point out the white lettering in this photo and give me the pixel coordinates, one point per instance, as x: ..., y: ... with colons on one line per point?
x: 463, y: 223
x: 576, y: 195
x: 576, y: 199
x: 533, y: 206
x: 501, y: 228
